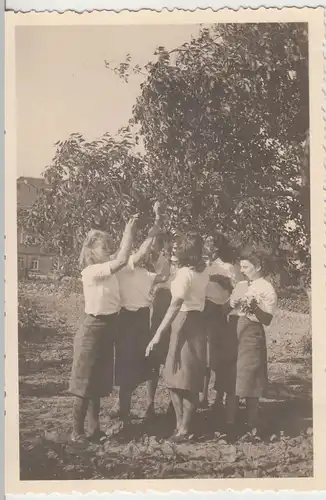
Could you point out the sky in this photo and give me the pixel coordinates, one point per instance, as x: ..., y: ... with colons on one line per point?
x: 62, y: 85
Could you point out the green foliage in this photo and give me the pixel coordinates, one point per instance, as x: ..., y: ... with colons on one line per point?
x: 90, y: 184
x: 224, y: 119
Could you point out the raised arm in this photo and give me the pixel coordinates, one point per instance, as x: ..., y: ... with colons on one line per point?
x: 147, y: 245
x: 123, y: 254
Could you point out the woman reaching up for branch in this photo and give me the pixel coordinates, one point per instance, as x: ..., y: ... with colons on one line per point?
x: 135, y: 283
x: 93, y: 362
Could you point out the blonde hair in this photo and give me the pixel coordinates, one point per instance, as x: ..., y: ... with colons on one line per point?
x: 93, y: 246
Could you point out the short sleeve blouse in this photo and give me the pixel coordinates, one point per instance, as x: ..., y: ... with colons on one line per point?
x: 190, y: 286
x: 101, y: 290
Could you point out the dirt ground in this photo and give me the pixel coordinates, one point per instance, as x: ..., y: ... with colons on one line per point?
x: 45, y: 357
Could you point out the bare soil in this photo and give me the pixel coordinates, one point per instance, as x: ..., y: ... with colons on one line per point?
x: 45, y: 357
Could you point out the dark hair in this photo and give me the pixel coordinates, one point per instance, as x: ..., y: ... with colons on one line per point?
x: 162, y: 240
x: 225, y: 251
x: 190, y: 250
x: 258, y: 257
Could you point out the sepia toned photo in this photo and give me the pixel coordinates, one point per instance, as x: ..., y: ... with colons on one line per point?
x: 164, y: 185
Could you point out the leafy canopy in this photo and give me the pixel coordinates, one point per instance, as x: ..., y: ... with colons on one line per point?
x: 224, y: 121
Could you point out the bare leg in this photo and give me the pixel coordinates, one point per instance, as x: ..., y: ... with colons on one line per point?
x: 114, y: 412
x: 232, y: 404
x: 94, y: 416
x: 125, y: 402
x: 79, y: 414
x: 219, y: 410
x: 177, y: 401
x: 151, y: 390
x: 253, y: 412
x: 190, y: 404
x: 204, y: 399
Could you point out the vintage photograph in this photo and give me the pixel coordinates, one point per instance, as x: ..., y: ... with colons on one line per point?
x: 164, y: 251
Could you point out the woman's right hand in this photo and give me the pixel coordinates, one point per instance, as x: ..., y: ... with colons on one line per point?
x: 153, y: 343
x: 157, y: 209
x: 132, y: 223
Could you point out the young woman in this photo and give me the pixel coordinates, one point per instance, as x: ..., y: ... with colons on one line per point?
x: 254, y: 303
x: 92, y: 371
x: 161, y: 258
x: 224, y: 274
x: 135, y: 284
x: 185, y: 364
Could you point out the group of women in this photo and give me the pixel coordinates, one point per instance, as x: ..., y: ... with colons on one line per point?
x: 194, y: 307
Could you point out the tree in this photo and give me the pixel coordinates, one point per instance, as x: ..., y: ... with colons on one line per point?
x: 225, y: 124
x: 224, y: 119
x: 90, y: 184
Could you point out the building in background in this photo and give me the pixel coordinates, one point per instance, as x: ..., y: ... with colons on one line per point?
x: 33, y: 260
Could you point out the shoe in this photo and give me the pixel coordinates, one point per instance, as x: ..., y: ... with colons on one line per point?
x: 231, y: 433
x: 78, y: 438
x: 181, y: 438
x: 251, y: 436
x: 98, y: 437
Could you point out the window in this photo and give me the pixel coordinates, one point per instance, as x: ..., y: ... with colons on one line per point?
x: 21, y: 262
x: 35, y: 264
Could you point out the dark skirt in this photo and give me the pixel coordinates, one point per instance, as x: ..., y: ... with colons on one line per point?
x: 185, y: 365
x: 131, y: 366
x: 216, y: 329
x: 221, y: 348
x: 227, y: 383
x: 161, y: 303
x: 93, y: 362
x: 251, y: 366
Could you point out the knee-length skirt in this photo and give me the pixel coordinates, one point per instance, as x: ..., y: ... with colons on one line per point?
x: 185, y: 365
x: 93, y: 359
x: 131, y: 365
x: 251, y: 367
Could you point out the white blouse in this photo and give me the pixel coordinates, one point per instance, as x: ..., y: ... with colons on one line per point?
x: 190, y: 286
x: 135, y: 285
x: 215, y: 292
x: 101, y: 290
x: 259, y: 289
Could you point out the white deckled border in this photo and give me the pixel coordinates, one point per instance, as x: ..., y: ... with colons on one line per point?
x: 316, y: 25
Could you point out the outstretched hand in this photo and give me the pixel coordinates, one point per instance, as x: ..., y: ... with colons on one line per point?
x: 153, y: 343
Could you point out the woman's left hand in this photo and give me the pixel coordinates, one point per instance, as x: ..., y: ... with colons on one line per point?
x: 175, y: 364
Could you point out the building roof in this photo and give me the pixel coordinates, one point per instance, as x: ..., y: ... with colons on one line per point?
x: 36, y: 181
